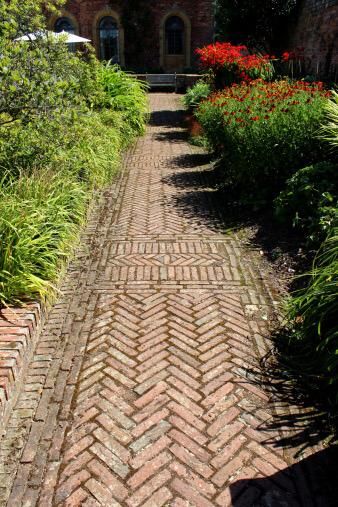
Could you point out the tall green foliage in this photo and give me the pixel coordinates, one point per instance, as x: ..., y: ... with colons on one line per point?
x: 64, y: 120
x: 313, y: 312
x: 124, y: 93
x: 330, y: 128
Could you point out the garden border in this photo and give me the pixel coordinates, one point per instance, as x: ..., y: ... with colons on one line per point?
x: 19, y: 332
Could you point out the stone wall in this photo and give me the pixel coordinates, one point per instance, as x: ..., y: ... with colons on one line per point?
x: 317, y: 32
x: 197, y: 15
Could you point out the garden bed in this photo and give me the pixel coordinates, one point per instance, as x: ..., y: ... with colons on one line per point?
x: 274, y: 140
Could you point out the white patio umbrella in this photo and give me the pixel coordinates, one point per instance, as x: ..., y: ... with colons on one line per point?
x: 69, y: 38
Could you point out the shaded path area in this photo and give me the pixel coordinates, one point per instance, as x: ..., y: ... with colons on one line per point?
x: 142, y: 388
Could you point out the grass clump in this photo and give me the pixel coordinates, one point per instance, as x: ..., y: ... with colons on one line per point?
x: 41, y: 214
x: 313, y: 313
x: 124, y: 93
x: 45, y: 190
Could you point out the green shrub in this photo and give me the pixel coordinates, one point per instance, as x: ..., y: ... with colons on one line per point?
x: 42, y: 206
x: 64, y: 120
x: 264, y: 132
x: 124, y: 93
x: 309, y: 200
x: 87, y: 143
x: 313, y: 312
x: 196, y: 94
x: 93, y: 147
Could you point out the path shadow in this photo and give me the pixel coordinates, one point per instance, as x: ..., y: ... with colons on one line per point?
x: 310, y: 483
x: 166, y: 118
x: 197, y: 179
x: 287, y: 374
x: 202, y: 200
x: 205, y: 203
x: 191, y: 160
x: 301, y: 420
x: 172, y: 136
x: 207, y: 207
x: 219, y: 208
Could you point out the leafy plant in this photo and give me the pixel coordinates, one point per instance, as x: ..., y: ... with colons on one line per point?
x: 196, y: 94
x: 309, y: 201
x: 40, y: 219
x: 264, y: 132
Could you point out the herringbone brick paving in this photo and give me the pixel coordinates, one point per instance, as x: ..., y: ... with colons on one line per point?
x: 138, y: 392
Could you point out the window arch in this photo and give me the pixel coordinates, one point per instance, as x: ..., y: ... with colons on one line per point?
x: 64, y: 24
x: 174, y: 36
x: 108, y: 32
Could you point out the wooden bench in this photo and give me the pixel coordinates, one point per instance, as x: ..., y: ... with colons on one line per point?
x: 162, y: 81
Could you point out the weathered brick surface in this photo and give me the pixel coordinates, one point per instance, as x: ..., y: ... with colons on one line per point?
x: 316, y: 32
x: 139, y: 390
x: 199, y: 14
x: 18, y: 330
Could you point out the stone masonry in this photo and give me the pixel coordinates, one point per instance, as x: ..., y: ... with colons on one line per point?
x: 198, y: 18
x: 142, y: 388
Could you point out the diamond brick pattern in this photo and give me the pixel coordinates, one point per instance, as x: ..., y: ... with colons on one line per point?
x: 139, y: 391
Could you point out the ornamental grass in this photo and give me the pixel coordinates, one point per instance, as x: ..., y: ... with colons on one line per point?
x: 313, y: 313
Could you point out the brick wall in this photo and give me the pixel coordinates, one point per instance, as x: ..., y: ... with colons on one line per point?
x: 199, y: 13
x: 317, y: 32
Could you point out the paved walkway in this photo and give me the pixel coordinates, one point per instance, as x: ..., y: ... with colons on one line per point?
x: 139, y: 392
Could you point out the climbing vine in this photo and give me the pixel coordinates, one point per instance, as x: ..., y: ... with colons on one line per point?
x: 137, y: 19
x: 256, y: 23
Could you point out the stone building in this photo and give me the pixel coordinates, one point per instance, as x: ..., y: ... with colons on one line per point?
x: 144, y: 35
x: 317, y: 32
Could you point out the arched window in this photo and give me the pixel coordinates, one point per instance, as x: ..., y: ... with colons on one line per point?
x: 174, y: 36
x: 109, y: 39
x: 64, y: 25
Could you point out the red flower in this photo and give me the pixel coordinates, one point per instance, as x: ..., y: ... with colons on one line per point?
x: 286, y: 56
x: 236, y: 59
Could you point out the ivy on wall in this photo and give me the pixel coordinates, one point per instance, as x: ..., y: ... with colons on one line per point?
x: 260, y: 24
x: 138, y: 22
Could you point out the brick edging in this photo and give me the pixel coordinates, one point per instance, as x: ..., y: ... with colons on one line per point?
x: 19, y: 332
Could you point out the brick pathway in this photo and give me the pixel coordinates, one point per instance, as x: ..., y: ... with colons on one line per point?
x: 138, y: 391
